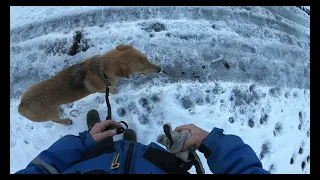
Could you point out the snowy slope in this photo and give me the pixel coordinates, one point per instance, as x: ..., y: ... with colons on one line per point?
x: 243, y: 69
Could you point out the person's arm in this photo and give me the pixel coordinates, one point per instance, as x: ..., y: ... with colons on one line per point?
x: 68, y: 150
x: 226, y: 154
x: 61, y: 155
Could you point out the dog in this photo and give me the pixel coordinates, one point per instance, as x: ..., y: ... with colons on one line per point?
x: 42, y: 101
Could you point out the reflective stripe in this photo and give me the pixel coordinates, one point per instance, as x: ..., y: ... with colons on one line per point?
x: 115, y: 164
x: 38, y: 162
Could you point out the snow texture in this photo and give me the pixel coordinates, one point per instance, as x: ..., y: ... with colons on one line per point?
x: 243, y: 69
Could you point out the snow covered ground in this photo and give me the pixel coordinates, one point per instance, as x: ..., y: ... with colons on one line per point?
x: 243, y: 69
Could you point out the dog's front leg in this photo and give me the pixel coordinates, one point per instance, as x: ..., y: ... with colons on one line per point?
x: 113, y: 81
x: 113, y: 90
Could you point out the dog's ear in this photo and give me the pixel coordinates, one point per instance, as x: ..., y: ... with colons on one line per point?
x: 123, y: 70
x: 123, y: 47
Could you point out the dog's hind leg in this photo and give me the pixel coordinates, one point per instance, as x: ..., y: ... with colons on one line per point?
x: 65, y: 121
x: 55, y: 117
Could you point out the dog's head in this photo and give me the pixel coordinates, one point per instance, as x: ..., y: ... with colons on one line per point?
x: 131, y: 61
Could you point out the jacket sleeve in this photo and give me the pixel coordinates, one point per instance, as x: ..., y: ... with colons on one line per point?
x: 228, y: 154
x: 61, y: 155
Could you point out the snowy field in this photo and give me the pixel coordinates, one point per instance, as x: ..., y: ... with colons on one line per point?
x: 243, y: 69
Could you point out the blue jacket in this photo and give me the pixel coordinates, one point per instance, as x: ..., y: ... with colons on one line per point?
x: 225, y: 154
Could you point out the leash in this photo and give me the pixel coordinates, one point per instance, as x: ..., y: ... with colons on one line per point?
x: 108, y: 103
x: 106, y: 146
x: 109, y: 117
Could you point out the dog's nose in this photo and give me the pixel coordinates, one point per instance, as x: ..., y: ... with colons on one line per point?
x: 159, y: 69
x: 162, y: 71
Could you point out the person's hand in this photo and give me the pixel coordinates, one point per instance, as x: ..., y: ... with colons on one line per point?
x: 98, y: 132
x: 197, y: 135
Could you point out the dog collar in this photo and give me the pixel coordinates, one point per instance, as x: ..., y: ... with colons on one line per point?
x: 103, y: 76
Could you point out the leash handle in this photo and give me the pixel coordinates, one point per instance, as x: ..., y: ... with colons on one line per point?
x: 119, y: 130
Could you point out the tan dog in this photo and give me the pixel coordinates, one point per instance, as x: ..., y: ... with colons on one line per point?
x: 41, y: 102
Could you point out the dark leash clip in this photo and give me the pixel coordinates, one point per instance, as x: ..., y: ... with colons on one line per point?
x: 119, y: 130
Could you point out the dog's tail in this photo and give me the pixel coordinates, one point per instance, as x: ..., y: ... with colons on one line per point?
x: 22, y: 108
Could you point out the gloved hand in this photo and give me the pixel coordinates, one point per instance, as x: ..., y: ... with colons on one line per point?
x: 174, y: 142
x: 175, y: 146
x: 197, y: 135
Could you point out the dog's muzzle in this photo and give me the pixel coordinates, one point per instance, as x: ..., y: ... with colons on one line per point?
x: 162, y: 71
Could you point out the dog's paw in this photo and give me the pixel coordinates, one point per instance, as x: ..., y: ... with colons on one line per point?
x: 67, y: 122
x: 114, y: 91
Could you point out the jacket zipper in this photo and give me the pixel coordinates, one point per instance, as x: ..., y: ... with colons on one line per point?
x: 128, y: 158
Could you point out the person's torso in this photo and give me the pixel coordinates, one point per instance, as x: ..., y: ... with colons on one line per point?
x: 128, y: 158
